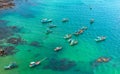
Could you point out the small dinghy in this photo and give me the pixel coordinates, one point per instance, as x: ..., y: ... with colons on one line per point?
x: 65, y: 20
x: 91, y: 21
x: 72, y: 42
x: 102, y: 59
x: 67, y: 36
x: 46, y: 20
x: 52, y: 26
x: 34, y: 64
x: 57, y: 48
x: 100, y: 38
x: 79, y: 32
x: 10, y: 66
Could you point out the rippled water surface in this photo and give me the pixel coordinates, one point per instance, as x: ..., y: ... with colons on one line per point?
x: 26, y: 18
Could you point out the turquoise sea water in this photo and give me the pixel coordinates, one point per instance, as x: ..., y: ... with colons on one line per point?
x: 27, y: 15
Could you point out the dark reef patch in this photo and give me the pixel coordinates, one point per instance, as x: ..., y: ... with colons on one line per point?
x: 3, y: 23
x: 15, y: 29
x: 14, y: 40
x: 83, y: 68
x: 60, y: 65
x: 6, y: 4
x: 79, y: 71
x: 7, y: 50
x: 7, y: 31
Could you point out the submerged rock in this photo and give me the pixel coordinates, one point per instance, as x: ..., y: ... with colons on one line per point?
x: 3, y: 23
x: 7, y: 50
x: 14, y: 40
x: 7, y: 31
x: 60, y: 65
x: 6, y: 4
x: 15, y: 29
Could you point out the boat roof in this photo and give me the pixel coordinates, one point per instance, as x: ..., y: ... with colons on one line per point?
x: 32, y: 62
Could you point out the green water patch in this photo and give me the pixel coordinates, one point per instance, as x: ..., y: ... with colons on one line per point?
x: 82, y: 52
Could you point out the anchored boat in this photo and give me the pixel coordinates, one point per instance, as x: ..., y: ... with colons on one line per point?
x: 46, y: 20
x: 80, y: 31
x: 10, y: 66
x: 72, y: 42
x: 100, y: 38
x: 67, y: 36
x: 34, y: 64
x: 57, y: 48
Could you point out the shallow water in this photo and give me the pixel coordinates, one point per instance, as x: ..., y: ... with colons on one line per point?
x: 75, y: 59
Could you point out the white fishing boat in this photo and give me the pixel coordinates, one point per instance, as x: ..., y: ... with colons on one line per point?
x: 58, y: 48
x: 34, y: 64
x: 67, y: 36
x: 45, y: 20
x: 100, y: 38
